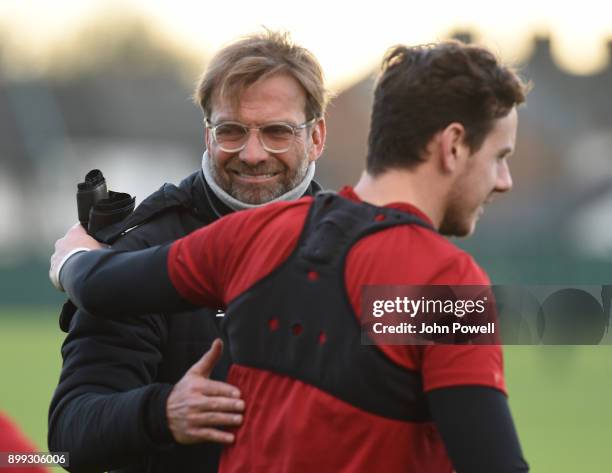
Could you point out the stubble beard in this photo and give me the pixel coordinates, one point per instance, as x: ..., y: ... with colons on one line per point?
x: 456, y: 225
x: 460, y: 217
x: 261, y: 193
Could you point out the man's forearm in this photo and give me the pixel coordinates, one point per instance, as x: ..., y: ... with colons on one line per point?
x: 105, y: 431
x: 107, y: 282
x: 107, y: 410
x: 477, y: 428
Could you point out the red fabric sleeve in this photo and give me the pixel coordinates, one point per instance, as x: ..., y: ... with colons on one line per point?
x: 415, y: 256
x: 13, y: 440
x: 459, y: 365
x: 215, y: 264
x: 197, y: 263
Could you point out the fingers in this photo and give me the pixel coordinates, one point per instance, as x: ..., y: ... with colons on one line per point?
x: 216, y: 404
x: 223, y: 404
x: 216, y: 419
x: 197, y: 404
x: 206, y: 434
x: 210, y: 387
x: 206, y: 364
x: 197, y: 384
x: 195, y: 418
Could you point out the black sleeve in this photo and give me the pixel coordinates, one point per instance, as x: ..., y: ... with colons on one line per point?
x: 108, y: 282
x: 477, y: 429
x: 107, y: 410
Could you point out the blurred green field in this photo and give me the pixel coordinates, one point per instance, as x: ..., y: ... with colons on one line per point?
x: 30, y: 363
x: 561, y: 396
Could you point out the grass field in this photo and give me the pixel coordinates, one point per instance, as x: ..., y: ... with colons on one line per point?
x: 30, y: 363
x: 561, y: 397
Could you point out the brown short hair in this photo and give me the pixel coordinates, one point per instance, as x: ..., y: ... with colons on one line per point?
x: 257, y: 56
x: 422, y: 89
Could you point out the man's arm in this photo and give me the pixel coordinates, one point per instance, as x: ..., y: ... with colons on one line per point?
x: 477, y: 429
x: 107, y: 282
x: 110, y: 282
x: 108, y: 408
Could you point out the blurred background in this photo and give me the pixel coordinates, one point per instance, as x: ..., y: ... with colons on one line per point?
x: 107, y: 84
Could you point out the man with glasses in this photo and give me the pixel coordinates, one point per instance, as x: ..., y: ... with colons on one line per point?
x: 135, y: 395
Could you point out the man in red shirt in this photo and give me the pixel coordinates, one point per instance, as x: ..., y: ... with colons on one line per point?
x: 444, y: 122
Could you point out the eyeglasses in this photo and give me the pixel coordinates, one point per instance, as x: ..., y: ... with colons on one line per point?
x: 276, y: 137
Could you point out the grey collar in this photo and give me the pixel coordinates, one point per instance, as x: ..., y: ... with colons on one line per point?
x: 236, y: 204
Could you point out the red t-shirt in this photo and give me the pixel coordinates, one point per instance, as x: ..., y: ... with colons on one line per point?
x: 14, y: 441
x: 290, y: 426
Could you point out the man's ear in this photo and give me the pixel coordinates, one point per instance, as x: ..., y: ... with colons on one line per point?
x: 207, y: 137
x: 318, y: 136
x: 453, y: 149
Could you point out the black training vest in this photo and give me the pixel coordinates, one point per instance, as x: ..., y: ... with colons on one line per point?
x: 298, y: 321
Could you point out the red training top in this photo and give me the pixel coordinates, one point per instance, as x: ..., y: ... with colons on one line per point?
x: 290, y: 426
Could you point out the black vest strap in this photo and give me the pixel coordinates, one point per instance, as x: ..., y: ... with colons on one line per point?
x: 298, y: 320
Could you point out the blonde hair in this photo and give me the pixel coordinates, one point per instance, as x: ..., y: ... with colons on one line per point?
x: 256, y: 57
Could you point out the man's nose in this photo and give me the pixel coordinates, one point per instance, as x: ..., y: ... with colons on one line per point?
x: 253, y: 152
x: 504, y: 178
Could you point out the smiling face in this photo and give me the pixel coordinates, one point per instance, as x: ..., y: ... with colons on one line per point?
x: 254, y: 175
x: 485, y: 172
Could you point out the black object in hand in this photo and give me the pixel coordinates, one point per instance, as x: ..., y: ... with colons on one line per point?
x: 90, y: 192
x: 97, y: 208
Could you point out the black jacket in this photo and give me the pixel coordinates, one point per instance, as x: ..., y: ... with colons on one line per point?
x: 108, y: 410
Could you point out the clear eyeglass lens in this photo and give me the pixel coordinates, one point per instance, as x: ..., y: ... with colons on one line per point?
x: 230, y: 134
x: 275, y: 137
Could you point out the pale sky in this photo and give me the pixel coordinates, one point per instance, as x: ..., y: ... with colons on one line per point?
x: 349, y: 38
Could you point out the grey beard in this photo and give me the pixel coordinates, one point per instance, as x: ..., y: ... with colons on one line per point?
x: 236, y: 204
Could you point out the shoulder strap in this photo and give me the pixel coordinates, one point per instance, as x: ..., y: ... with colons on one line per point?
x: 334, y: 223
